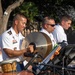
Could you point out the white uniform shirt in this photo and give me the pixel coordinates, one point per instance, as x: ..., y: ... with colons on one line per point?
x: 50, y: 35
x: 12, y: 41
x: 59, y: 34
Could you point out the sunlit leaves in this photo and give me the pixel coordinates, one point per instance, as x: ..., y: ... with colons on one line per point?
x: 29, y: 9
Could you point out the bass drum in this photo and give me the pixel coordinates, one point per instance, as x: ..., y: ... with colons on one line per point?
x: 41, y: 41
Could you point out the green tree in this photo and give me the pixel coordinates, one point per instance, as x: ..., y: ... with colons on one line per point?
x: 29, y: 9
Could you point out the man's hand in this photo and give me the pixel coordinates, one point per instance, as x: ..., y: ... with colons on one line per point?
x: 30, y: 48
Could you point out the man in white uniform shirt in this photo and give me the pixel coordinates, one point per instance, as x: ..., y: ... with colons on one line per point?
x: 48, y: 26
x: 59, y: 33
x: 12, y: 40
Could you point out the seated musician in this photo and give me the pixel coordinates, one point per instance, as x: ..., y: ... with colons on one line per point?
x: 12, y: 40
x: 59, y: 32
x: 48, y: 26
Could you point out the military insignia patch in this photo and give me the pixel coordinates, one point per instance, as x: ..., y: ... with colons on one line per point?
x: 9, y: 32
x: 14, y: 41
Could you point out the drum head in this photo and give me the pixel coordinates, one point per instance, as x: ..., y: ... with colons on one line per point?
x: 42, y: 42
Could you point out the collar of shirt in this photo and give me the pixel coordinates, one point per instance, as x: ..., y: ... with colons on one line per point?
x: 14, y: 33
x: 45, y: 31
x: 50, y: 36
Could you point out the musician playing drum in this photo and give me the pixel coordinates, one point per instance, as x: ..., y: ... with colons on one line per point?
x: 12, y: 40
x: 48, y: 26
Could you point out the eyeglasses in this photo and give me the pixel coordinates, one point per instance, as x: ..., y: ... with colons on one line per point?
x: 52, y: 25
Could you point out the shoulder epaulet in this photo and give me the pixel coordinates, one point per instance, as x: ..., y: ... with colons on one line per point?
x: 9, y: 32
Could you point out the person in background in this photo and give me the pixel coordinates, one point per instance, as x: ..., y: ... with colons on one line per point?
x: 48, y: 26
x: 59, y: 33
x: 12, y: 40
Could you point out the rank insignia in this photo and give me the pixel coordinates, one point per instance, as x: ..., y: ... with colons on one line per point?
x: 9, y: 32
x: 14, y: 41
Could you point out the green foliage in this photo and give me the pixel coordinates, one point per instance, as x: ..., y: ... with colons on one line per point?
x: 29, y: 9
x: 54, y: 8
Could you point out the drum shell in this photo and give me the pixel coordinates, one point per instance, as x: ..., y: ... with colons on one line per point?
x: 9, y: 67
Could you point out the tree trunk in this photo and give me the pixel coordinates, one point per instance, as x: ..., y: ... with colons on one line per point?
x: 4, y: 17
x: 1, y: 17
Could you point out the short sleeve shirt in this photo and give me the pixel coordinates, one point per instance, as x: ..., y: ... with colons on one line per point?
x: 11, y: 40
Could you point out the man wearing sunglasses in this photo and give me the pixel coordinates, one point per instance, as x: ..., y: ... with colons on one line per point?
x: 59, y: 33
x: 48, y: 26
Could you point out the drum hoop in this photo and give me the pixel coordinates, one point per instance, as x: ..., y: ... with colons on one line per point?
x: 8, y: 61
x: 10, y: 71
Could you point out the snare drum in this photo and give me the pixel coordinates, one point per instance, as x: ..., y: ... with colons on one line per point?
x: 8, y: 65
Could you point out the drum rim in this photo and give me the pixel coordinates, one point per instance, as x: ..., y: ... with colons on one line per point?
x: 7, y: 61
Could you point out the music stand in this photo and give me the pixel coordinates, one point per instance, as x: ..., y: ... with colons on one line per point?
x: 61, y: 59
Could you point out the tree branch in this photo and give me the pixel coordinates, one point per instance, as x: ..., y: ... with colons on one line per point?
x: 14, y: 5
x: 8, y: 11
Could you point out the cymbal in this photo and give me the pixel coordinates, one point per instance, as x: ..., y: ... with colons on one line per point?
x: 42, y: 43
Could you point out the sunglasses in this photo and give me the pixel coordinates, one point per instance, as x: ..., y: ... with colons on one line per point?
x: 52, y: 25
